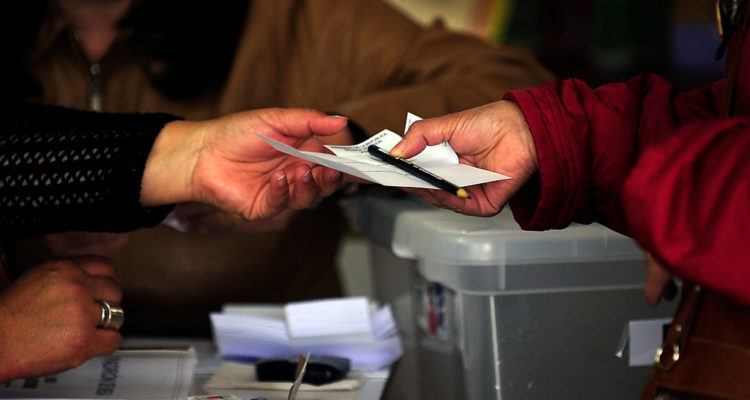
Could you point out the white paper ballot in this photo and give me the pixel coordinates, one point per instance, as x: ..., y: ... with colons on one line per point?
x: 329, y: 317
x: 354, y: 160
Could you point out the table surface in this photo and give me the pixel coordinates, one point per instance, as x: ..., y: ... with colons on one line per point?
x: 208, y: 361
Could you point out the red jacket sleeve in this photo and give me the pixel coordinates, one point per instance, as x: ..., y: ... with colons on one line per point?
x: 647, y: 161
x: 588, y: 140
x: 687, y: 200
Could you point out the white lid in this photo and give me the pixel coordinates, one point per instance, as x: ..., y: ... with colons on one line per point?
x: 441, y: 238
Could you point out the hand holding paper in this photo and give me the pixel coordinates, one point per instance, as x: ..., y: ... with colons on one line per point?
x: 355, y: 160
x: 494, y: 137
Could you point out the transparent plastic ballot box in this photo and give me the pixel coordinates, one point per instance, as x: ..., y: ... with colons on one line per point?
x: 489, y: 311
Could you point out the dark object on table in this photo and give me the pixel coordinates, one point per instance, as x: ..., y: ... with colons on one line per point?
x: 320, y: 369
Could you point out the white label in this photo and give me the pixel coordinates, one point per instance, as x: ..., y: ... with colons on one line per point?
x: 645, y: 338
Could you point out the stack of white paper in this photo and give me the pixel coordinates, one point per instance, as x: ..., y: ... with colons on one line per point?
x: 347, y: 327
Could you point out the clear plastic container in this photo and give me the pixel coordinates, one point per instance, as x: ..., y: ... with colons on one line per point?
x: 509, y: 314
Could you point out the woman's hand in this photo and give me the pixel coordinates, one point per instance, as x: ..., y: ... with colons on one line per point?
x: 224, y: 163
x: 494, y: 137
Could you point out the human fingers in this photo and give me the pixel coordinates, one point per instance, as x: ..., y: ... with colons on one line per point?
x: 83, y: 335
x: 658, y: 282
x: 436, y: 198
x: 424, y: 133
x: 302, y: 122
x: 305, y: 191
x: 331, y: 125
x: 96, y: 266
x: 343, y: 137
x: 483, y: 201
x: 476, y: 134
x: 104, y: 341
x: 275, y: 199
x: 99, y: 278
x: 328, y: 180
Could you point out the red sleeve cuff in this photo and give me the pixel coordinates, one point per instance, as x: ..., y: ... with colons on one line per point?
x: 552, y: 198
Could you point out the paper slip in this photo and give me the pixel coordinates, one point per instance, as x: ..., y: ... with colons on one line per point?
x: 354, y: 160
x: 345, y: 327
x: 329, y: 317
x: 126, y: 374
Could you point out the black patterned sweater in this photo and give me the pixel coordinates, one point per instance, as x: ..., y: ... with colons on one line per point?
x: 68, y: 170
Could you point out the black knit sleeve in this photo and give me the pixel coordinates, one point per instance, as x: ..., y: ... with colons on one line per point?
x: 70, y: 170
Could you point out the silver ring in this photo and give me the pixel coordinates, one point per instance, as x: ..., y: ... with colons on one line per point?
x: 112, y: 316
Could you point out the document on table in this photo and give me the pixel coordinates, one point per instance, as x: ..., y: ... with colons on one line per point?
x: 125, y: 374
x: 354, y: 160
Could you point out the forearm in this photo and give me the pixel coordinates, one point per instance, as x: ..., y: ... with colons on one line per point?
x: 167, y: 171
x: 72, y: 170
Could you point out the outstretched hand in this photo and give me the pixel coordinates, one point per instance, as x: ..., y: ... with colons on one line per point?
x: 225, y: 164
x: 494, y: 137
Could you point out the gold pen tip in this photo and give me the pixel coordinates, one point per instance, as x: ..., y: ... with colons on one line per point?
x: 462, y: 193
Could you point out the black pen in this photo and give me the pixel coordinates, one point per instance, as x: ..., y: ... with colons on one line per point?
x: 417, y: 171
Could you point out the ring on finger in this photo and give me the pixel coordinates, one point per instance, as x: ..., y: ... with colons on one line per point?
x: 112, y: 316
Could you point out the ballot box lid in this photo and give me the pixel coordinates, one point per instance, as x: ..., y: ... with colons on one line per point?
x: 454, y: 248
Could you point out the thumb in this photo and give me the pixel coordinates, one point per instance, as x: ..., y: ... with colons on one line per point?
x: 304, y: 122
x: 423, y: 133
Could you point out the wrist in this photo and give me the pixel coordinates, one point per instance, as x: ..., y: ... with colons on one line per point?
x: 168, y: 171
x: 514, y: 114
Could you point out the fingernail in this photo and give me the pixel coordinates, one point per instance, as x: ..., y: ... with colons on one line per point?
x: 281, y: 180
x: 307, y: 177
x: 397, y: 150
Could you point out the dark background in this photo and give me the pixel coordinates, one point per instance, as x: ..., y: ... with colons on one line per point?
x: 602, y: 41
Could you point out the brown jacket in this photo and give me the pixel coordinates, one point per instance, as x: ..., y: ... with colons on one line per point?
x: 358, y: 58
